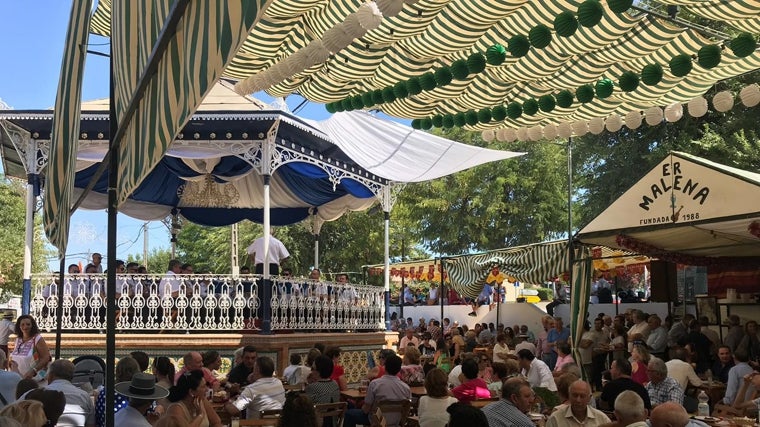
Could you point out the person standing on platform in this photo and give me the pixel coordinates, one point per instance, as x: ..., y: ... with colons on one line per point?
x: 278, y: 254
x: 7, y: 328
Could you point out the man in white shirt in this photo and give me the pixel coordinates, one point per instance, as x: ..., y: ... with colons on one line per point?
x: 265, y: 393
x: 639, y: 331
x: 7, y: 328
x: 142, y: 391
x: 408, y: 339
x: 170, y: 283
x: 578, y: 413
x: 79, y: 409
x: 657, y: 341
x: 277, y: 255
x: 535, y: 371
x: 681, y: 371
x: 630, y: 410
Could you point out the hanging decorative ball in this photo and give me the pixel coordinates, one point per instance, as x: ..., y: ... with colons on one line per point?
x: 369, y: 15
x: 585, y: 94
x: 651, y: 74
x: 437, y: 120
x: 416, y: 124
x: 540, y: 36
x: 590, y: 13
x: 336, y: 39
x: 496, y: 54
x: 536, y: 133
x: 501, y: 135
x: 750, y: 95
x: 680, y: 65
x: 709, y: 56
x: 399, y: 89
x: 357, y: 103
x: 426, y: 123
x: 339, y: 106
x: 697, y: 107
x: 427, y: 81
x: 499, y: 113
x: 487, y: 135
x: 388, y: 95
x: 633, y: 119
x: 743, y: 45
x: 674, y: 112
x: 546, y: 103
x: 448, y: 121
x: 390, y: 8
x: 565, y: 130
x: 604, y: 88
x: 723, y: 101
x: 550, y: 131
x: 330, y: 107
x: 510, y: 134
x: 580, y: 127
x: 628, y: 81
x: 514, y: 110
x: 530, y: 107
x: 353, y: 26
x: 367, y: 99
x: 471, y: 117
x: 484, y: 115
x: 317, y: 52
x: 613, y: 123
x: 596, y: 125
x: 413, y: 86
x: 522, y: 134
x: 347, y: 104
x: 518, y: 46
x: 377, y: 97
x: 476, y: 63
x: 564, y: 98
x: 619, y: 6
x: 459, y: 69
x: 443, y: 76
x: 565, y: 24
x: 653, y: 116
x: 459, y: 119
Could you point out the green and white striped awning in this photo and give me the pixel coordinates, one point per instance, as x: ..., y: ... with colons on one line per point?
x: 429, y: 34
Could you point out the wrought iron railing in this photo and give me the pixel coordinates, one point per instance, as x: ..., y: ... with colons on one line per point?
x: 206, y: 303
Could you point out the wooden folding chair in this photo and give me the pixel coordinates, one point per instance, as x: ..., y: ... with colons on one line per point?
x: 377, y: 419
x: 335, y: 410
x: 482, y: 403
x: 400, y: 407
x: 270, y: 413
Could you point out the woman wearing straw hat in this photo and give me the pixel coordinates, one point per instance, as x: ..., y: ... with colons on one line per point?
x: 141, y: 391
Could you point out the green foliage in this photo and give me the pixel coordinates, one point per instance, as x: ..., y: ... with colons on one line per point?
x: 545, y: 294
x: 158, y: 260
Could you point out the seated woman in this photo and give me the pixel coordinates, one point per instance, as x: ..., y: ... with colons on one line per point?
x: 432, y: 407
x: 411, y: 370
x: 502, y: 372
x: 324, y: 390
x: 338, y: 371
x: 563, y: 358
x: 639, y: 361
x: 485, y: 371
x: 472, y: 388
x: 189, y: 402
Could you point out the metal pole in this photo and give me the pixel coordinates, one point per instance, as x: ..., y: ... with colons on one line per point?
x: 59, y: 309
x: 316, y: 250
x: 145, y: 244
x: 266, y: 312
x: 113, y: 176
x: 26, y: 295
x: 570, y: 210
x: 387, y: 271
x: 442, y: 287
x: 401, y: 298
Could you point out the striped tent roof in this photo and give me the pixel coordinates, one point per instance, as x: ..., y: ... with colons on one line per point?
x: 429, y: 34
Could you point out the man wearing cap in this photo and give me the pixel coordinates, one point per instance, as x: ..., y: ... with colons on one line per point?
x: 141, y: 391
x: 7, y: 327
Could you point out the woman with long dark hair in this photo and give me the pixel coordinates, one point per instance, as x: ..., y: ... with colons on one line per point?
x: 189, y: 401
x: 31, y: 354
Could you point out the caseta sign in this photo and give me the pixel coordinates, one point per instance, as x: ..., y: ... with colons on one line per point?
x: 682, y: 189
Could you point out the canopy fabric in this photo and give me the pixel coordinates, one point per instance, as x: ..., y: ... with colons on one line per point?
x: 429, y: 34
x: 536, y: 263
x: 65, y: 127
x: 401, y: 153
x: 686, y: 205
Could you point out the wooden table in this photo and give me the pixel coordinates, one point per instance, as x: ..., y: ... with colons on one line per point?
x: 223, y: 414
x: 353, y: 393
x: 418, y: 391
x: 715, y: 390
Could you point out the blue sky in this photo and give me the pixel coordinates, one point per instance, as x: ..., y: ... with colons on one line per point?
x: 33, y: 33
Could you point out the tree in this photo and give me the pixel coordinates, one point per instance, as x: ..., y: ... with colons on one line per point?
x: 158, y: 260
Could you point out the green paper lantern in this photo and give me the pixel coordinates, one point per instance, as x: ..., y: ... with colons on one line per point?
x: 709, y: 56
x: 338, y: 105
x: 514, y: 110
x: 564, y: 98
x: 377, y: 97
x: 484, y: 115
x: 496, y: 54
x: 680, y: 65
x: 388, y: 95
x: 585, y: 94
x: 471, y: 117
x: 628, y: 81
x: 540, y: 36
x: 619, y: 6
x: 546, y: 103
x: 459, y: 119
x: 530, y: 107
x: 427, y: 81
x: 743, y: 45
x: 367, y: 99
x: 357, y: 103
x: 590, y: 13
x: 518, y: 46
x: 438, y: 120
x: 604, y: 88
x: 459, y: 69
x: 651, y: 74
x: 399, y: 89
x: 347, y: 104
x: 413, y: 86
x: 565, y: 24
x: 499, y: 113
x: 416, y: 124
x: 476, y: 63
x: 330, y: 107
x: 426, y: 123
x: 443, y: 76
x: 448, y: 121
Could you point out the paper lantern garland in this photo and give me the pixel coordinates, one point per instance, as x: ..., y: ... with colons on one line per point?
x: 697, y: 107
x: 628, y: 81
x: 518, y: 46
x: 619, y: 6
x: 530, y: 107
x: 459, y: 69
x: 590, y: 13
x: 540, y: 36
x: 680, y: 65
x: 750, y: 95
x: 565, y: 24
x: 564, y: 98
x: 585, y: 94
x: 723, y: 101
x: 476, y: 63
x: 709, y: 56
x: 546, y: 103
x: 743, y: 45
x: 496, y: 54
x: 651, y: 74
x: 604, y: 88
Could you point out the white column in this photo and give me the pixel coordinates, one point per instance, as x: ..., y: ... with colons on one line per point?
x: 28, y: 245
x: 267, y: 226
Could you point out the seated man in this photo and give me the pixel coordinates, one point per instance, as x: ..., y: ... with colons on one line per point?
x: 388, y: 387
x: 511, y: 411
x: 79, y: 409
x: 578, y: 411
x: 662, y: 388
x: 194, y: 362
x: 620, y: 373
x: 266, y: 393
x: 535, y: 370
x: 630, y: 410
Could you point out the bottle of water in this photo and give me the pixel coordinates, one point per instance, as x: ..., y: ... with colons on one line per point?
x: 703, y: 409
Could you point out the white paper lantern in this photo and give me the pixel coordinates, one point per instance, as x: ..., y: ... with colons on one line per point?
x: 633, y: 119
x: 410, y: 2
x: 723, y: 101
x: 613, y: 123
x: 580, y: 127
x: 596, y: 125
x: 522, y: 134
x: 369, y: 15
x: 653, y: 116
x: 487, y: 135
x: 674, y: 112
x: 353, y: 26
x: 501, y: 135
x: 510, y: 134
x: 697, y: 107
x: 390, y: 7
x: 317, y: 52
x: 536, y: 133
x: 750, y: 95
x: 565, y: 130
x: 336, y: 38
x: 550, y: 131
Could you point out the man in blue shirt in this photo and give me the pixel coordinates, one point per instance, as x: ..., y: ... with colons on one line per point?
x: 555, y: 336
